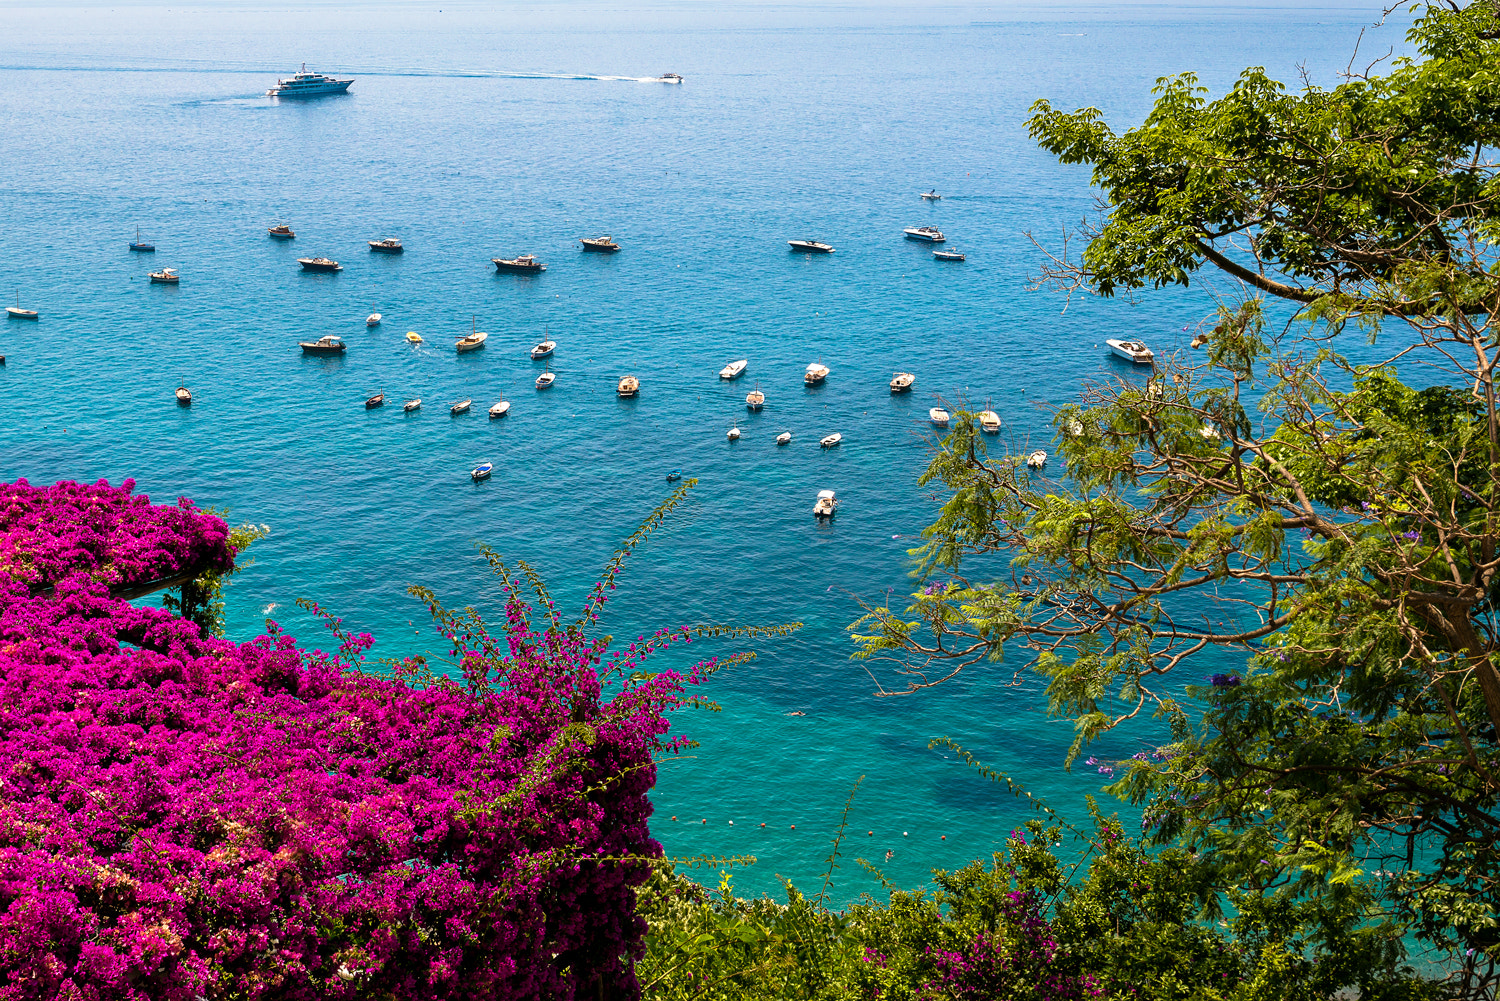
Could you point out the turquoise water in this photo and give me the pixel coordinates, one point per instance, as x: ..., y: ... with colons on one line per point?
x: 473, y: 134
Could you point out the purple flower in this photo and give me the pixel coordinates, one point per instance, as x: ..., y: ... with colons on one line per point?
x: 1224, y: 681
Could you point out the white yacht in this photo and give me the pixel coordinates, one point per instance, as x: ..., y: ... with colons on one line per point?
x: 928, y: 234
x: 938, y: 416
x: 826, y: 504
x: 306, y: 84
x: 815, y: 374
x: 1132, y: 351
x: 733, y: 369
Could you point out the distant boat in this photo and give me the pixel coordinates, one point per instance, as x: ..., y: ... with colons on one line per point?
x: 602, y: 244
x: 831, y: 440
x: 166, y: 276
x: 500, y: 409
x: 989, y: 421
x: 815, y: 374
x: 17, y: 313
x: 482, y: 471
x: 330, y: 345
x: 413, y: 337
x: 733, y: 434
x: 785, y: 438
x: 938, y: 416
x: 927, y: 234
x: 810, y: 246
x: 674, y: 476
x: 319, y: 264
x: 525, y: 263
x: 184, y: 396
x: 1037, y: 459
x: 755, y: 399
x: 733, y: 369
x: 461, y: 407
x: 667, y: 78
x: 139, y: 247
x: 373, y: 320
x: 948, y: 255
x: 629, y: 386
x: 546, y: 379
x: 378, y: 400
x: 281, y: 231
x: 932, y: 196
x: 411, y: 405
x: 825, y: 505
x: 305, y: 84
x: 390, y: 245
x: 1132, y: 351
x: 902, y: 381
x: 543, y: 350
x: 473, y: 341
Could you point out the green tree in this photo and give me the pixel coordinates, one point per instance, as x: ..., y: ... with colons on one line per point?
x: 1325, y: 526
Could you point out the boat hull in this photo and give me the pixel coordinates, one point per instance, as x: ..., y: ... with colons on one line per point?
x: 927, y: 237
x: 322, y: 90
x: 143, y: 248
x: 322, y: 349
x: 804, y: 247
x: 598, y: 249
x: 281, y: 236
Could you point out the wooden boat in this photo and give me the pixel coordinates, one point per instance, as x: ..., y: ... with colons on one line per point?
x: 674, y: 476
x: 989, y: 422
x: 825, y: 505
x: 390, y: 245
x: 378, y: 400
x: 461, y: 407
x: 629, y: 386
x: 831, y: 440
x: 938, y: 416
x: 733, y: 434
x: 184, y: 396
x: 932, y: 196
x: 603, y: 244
x: 1131, y: 351
x: 948, y: 255
x: 1037, y: 459
x: 474, y: 340
x: 543, y: 350
x: 815, y: 374
x: 810, y: 246
x: 319, y: 264
x: 166, y: 276
x: 412, y: 337
x: 926, y: 234
x: 330, y: 345
x: 17, y: 313
x: 500, y: 409
x: 373, y: 320
x: 526, y: 264
x: 281, y: 231
x: 785, y: 438
x: 733, y: 369
x: 902, y: 382
x: 482, y: 471
x: 411, y: 405
x: 755, y: 399
x: 546, y: 379
x: 142, y: 248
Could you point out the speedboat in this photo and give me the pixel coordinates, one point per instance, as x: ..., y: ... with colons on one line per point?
x: 1037, y: 459
x: 932, y: 196
x: 938, y: 416
x: 600, y: 243
x: 373, y: 320
x: 184, y: 397
x: 166, y: 276
x: 674, y: 476
x: 629, y: 386
x: 825, y: 505
x: 815, y: 374
x: 1132, y: 351
x: 500, y: 409
x: 411, y: 405
x: 989, y: 421
x: 948, y: 255
x: 526, y: 262
x: 139, y: 247
x: 482, y: 471
x: 755, y: 399
x: 390, y: 245
x: 330, y: 345
x: 733, y: 434
x: 281, y: 231
x: 319, y: 264
x: 831, y: 440
x: 473, y: 340
x: 927, y: 234
x: 378, y: 400
x: 667, y: 78
x: 542, y: 350
x: 546, y: 379
x: 785, y: 438
x: 461, y: 407
x: 733, y: 369
x: 305, y: 84
x: 412, y: 337
x: 902, y: 381
x: 17, y: 313
x: 810, y: 246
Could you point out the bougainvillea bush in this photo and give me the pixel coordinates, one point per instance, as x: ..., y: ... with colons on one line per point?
x: 184, y: 817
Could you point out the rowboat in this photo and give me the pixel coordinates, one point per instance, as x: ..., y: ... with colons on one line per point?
x: 411, y: 405
x: 378, y: 400
x: 785, y: 438
x: 542, y: 350
x: 413, y: 337
x: 938, y: 416
x: 831, y: 440
x: 629, y: 386
x: 461, y: 407
x: 815, y: 374
x: 825, y: 505
x: 482, y: 471
x: 902, y: 381
x: 674, y: 476
x: 184, y: 396
x: 733, y: 434
x: 932, y: 196
x: 500, y: 409
x: 733, y: 369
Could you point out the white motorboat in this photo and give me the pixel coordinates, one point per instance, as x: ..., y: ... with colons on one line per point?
x: 461, y: 407
x: 628, y: 386
x: 1037, y: 459
x: 932, y: 196
x: 733, y: 434
x: 989, y: 421
x: 948, y: 255
x: 306, y: 84
x: 482, y: 471
x: 938, y: 416
x: 1131, y: 351
x: 926, y: 234
x: 473, y: 340
x: 411, y: 405
x: 373, y: 320
x: 815, y: 374
x: 667, y: 78
x: 733, y: 369
x: 546, y: 379
x: 825, y: 505
x: 500, y: 409
x: 831, y: 440
x: 902, y: 381
x: 755, y: 399
x: 785, y: 438
x: 810, y: 246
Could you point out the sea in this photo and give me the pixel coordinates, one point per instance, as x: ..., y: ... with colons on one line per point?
x: 480, y: 130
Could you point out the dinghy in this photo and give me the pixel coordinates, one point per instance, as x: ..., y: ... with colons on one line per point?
x: 378, y: 400
x: 938, y: 416
x: 785, y: 438
x: 461, y: 407
x: 831, y: 440
x: 482, y: 471
x: 500, y: 409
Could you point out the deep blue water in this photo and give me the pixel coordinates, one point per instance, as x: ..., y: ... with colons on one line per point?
x: 473, y: 133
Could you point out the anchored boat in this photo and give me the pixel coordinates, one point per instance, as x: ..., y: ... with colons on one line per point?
x: 378, y: 400
x: 500, y: 408
x: 474, y: 340
x: 139, y: 247
x: 926, y: 234
x: 166, y: 276
x: 938, y: 416
x: 390, y: 245
x: 543, y: 350
x: 461, y: 407
x: 330, y: 345
x: 902, y: 382
x: 810, y: 246
x: 815, y: 374
x: 831, y: 440
x: 319, y: 264
x: 281, y: 231
x: 603, y: 244
x: 733, y: 369
x: 526, y: 263
x: 1131, y: 351
x: 825, y: 505
x: 629, y: 386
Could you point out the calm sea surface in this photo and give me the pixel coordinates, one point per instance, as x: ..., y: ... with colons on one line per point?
x: 472, y: 134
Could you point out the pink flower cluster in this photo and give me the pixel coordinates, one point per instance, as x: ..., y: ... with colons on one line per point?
x: 47, y: 533
x: 184, y: 817
x: 1024, y: 961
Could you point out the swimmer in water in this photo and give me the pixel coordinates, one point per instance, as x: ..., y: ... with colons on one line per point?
x: 797, y: 712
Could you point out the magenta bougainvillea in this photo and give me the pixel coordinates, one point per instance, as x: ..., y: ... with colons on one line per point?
x: 184, y: 817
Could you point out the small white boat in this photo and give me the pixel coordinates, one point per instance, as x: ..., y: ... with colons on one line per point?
x: 472, y: 342
x: 629, y: 385
x: 482, y: 471
x: 938, y: 416
x: 461, y: 407
x: 17, y: 313
x: 785, y: 438
x: 932, y: 196
x: 500, y: 409
x: 831, y: 440
x: 989, y: 422
x: 755, y: 399
x: 413, y: 337
x: 373, y: 320
x: 810, y: 246
x: 546, y: 379
x: 902, y: 381
x: 815, y: 374
x: 666, y: 78
x: 733, y: 434
x: 1131, y: 351
x: 825, y: 505
x: 184, y: 397
x: 543, y: 350
x: 411, y: 405
x: 733, y: 369
x: 1037, y: 459
x: 948, y: 255
x: 926, y: 234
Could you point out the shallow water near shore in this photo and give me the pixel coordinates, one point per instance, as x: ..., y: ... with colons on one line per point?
x: 474, y: 134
